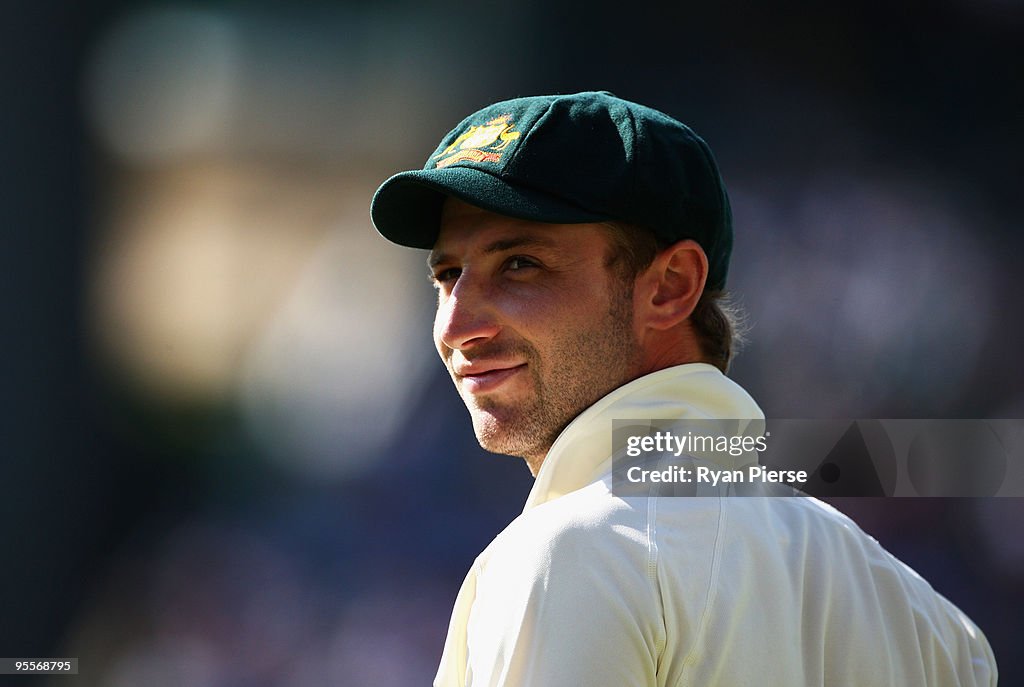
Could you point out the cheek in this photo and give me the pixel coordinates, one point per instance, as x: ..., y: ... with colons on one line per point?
x: 436, y: 333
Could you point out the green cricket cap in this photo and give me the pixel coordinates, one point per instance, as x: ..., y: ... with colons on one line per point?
x: 567, y: 159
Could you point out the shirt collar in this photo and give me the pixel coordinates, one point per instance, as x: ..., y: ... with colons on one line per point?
x: 582, y: 452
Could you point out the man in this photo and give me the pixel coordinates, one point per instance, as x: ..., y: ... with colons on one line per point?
x: 580, y: 245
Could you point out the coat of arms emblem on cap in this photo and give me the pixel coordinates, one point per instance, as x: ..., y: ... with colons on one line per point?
x: 470, y: 144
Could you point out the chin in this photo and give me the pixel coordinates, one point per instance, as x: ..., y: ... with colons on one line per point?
x: 493, y: 436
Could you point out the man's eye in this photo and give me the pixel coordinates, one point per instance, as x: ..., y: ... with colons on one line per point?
x: 445, y: 276
x: 518, y: 262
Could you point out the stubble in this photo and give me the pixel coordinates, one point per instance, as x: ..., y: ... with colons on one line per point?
x: 577, y: 368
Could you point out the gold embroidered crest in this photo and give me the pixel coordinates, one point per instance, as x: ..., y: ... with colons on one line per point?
x: 477, y: 144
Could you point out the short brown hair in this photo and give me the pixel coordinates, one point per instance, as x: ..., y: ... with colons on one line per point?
x: 718, y: 321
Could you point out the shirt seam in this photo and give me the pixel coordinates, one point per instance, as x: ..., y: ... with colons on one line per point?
x: 709, y: 598
x: 652, y: 571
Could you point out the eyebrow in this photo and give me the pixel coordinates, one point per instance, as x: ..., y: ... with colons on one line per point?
x: 435, y: 259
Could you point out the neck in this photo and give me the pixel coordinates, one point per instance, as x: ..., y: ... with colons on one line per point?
x: 534, y: 463
x: 664, y: 349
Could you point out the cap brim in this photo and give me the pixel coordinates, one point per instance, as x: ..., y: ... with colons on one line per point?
x: 406, y: 209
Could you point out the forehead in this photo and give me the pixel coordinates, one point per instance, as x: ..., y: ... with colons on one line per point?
x: 459, y: 217
x: 454, y: 209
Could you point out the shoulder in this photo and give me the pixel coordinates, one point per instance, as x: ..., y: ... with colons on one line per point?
x: 802, y: 553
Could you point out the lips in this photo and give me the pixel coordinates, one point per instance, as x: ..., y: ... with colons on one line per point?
x: 481, y: 378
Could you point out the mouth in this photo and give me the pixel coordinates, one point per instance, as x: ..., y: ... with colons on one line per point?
x: 483, y: 380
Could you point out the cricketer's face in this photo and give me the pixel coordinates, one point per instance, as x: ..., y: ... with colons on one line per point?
x: 532, y: 324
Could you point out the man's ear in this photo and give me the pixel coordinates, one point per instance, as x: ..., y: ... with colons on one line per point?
x: 668, y: 290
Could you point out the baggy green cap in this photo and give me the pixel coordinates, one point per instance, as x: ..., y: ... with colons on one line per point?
x: 566, y: 159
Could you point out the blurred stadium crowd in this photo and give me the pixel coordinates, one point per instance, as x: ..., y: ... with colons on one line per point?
x: 232, y: 457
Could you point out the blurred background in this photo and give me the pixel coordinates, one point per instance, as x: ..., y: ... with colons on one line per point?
x: 230, y: 456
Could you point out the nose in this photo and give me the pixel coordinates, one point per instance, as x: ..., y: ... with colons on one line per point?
x: 465, y: 317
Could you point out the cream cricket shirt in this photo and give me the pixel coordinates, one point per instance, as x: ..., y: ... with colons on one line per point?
x: 585, y: 589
